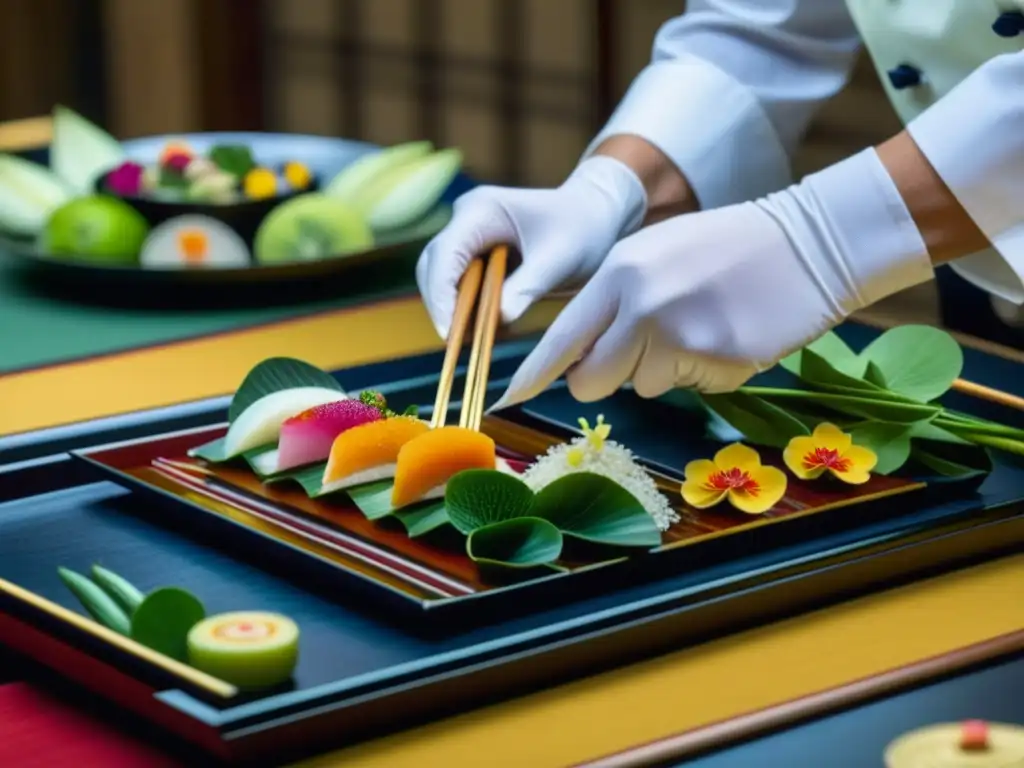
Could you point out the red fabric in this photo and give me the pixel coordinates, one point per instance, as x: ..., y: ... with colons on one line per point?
x: 38, y: 729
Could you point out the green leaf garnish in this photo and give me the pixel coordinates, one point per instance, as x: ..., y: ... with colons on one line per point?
x: 235, y: 159
x: 274, y: 375
x: 865, y: 406
x: 595, y: 508
x: 889, y: 442
x: 163, y: 620
x: 214, y: 451
x: 917, y: 361
x: 373, y: 499
x: 476, y: 498
x: 421, y: 519
x: 520, y: 542
x: 761, y: 422
x: 832, y: 350
x: 952, y: 460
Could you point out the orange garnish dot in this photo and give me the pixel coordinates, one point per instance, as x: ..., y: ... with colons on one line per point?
x: 193, y: 244
x: 734, y: 479
x: 828, y: 458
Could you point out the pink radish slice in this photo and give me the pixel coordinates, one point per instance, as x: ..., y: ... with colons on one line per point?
x: 308, y: 437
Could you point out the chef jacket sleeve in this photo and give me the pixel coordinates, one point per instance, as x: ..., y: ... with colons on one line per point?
x: 974, y: 138
x: 731, y: 87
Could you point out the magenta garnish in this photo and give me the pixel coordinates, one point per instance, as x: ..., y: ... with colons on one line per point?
x: 177, y: 162
x: 126, y: 179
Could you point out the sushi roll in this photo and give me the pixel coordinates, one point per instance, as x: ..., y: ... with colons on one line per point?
x: 248, y: 649
x: 369, y: 452
x: 425, y: 464
x: 194, y: 242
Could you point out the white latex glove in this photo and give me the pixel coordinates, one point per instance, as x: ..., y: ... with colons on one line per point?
x: 706, y: 300
x: 563, y: 235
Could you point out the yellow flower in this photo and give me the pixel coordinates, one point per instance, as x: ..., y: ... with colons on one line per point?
x: 259, y: 184
x: 829, y: 449
x: 735, y: 473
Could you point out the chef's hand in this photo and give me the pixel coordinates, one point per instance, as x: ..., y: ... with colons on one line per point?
x: 563, y: 235
x: 709, y: 299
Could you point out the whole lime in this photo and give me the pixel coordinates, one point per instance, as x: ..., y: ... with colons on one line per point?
x: 100, y: 228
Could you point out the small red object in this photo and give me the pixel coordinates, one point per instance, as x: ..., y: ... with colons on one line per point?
x: 974, y: 735
x: 177, y: 162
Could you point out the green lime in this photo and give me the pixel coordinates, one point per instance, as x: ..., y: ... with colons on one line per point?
x: 100, y: 228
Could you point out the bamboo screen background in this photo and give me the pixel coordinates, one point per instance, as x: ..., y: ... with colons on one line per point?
x: 519, y: 85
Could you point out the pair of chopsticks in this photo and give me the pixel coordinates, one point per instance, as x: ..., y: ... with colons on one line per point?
x: 486, y: 300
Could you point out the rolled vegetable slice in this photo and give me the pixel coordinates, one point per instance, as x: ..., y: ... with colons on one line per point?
x: 251, y: 650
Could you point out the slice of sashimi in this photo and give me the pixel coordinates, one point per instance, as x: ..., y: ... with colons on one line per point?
x: 432, y: 458
x: 307, y: 438
x: 367, y: 447
x: 260, y: 423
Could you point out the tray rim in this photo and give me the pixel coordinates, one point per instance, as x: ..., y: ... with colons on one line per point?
x: 684, y: 745
x: 440, y: 608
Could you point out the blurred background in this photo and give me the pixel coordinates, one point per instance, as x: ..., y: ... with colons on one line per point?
x: 518, y: 85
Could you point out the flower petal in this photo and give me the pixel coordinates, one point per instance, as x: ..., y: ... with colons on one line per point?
x: 737, y: 456
x: 854, y: 476
x: 830, y: 436
x: 700, y: 470
x: 794, y: 454
x: 698, y: 495
x: 771, y: 487
x: 860, y: 459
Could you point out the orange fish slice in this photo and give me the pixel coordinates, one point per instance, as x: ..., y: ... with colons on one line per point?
x: 369, y: 446
x: 428, y: 461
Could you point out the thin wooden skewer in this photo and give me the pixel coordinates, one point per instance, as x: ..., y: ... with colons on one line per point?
x: 487, y: 317
x: 982, y: 392
x: 469, y: 288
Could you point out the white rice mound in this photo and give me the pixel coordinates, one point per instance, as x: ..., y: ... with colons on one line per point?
x: 606, y: 458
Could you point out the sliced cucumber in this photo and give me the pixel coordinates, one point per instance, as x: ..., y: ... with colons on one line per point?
x: 81, y: 152
x: 125, y: 593
x: 352, y: 181
x: 407, y: 193
x: 98, y: 603
x: 29, y: 193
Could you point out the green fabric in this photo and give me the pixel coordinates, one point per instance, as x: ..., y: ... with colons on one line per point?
x: 40, y: 326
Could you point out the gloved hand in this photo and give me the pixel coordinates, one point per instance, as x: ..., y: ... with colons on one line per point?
x: 563, y: 235
x: 709, y: 299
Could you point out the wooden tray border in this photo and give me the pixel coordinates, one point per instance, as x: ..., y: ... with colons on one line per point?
x: 687, y: 745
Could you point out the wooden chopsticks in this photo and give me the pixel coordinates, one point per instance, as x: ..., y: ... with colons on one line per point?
x: 982, y: 392
x: 488, y: 313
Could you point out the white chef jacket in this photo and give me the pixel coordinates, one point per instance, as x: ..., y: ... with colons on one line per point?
x: 733, y: 84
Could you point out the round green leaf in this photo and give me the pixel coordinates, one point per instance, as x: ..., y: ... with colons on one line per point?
x: 274, y: 375
x: 479, y: 497
x: 521, y: 542
x: 164, y: 620
x: 595, y: 508
x: 918, y: 361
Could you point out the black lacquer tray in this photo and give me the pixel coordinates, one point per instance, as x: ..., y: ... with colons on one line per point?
x: 362, y: 672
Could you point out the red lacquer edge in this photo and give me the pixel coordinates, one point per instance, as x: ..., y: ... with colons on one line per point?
x: 96, y: 675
